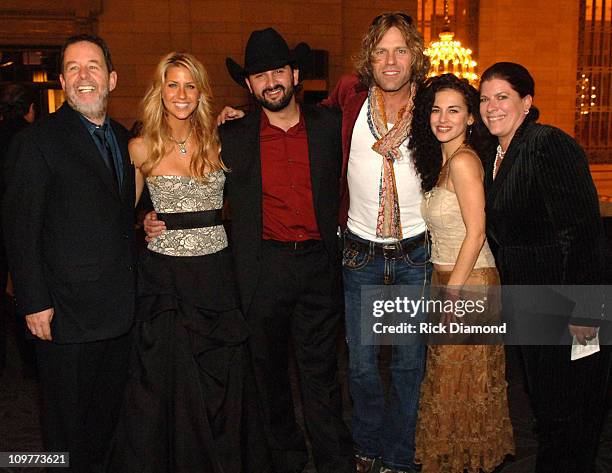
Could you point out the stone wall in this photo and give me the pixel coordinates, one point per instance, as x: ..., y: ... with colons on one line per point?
x: 540, y: 34
x: 543, y: 36
x: 139, y: 32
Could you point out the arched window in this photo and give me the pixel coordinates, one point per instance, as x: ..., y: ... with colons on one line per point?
x: 594, y: 80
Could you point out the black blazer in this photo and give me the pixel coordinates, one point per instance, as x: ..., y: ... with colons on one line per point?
x: 241, y: 153
x: 543, y: 213
x: 69, y: 230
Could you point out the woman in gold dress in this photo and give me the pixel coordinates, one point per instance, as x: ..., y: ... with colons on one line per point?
x: 464, y: 423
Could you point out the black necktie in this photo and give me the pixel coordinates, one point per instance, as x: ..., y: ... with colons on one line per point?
x: 107, y: 152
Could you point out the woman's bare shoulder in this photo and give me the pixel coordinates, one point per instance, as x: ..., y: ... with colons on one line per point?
x: 466, y: 163
x: 138, y: 151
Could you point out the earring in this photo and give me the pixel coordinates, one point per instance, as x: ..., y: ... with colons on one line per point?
x: 527, y: 112
x: 469, y: 132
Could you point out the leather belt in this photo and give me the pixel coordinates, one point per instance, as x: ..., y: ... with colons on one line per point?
x: 388, y: 250
x: 185, y: 220
x: 293, y: 245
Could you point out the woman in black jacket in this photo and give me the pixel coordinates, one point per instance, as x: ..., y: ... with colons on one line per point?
x: 543, y: 217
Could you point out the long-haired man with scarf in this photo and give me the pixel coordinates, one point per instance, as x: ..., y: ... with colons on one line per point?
x: 384, y: 239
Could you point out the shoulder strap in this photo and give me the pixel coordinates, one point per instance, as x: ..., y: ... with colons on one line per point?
x: 463, y: 147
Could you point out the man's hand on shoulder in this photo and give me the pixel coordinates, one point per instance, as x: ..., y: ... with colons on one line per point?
x: 229, y: 113
x: 39, y: 323
x: 153, y: 227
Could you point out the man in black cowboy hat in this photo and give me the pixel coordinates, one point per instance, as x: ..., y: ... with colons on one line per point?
x: 283, y: 192
x: 384, y: 233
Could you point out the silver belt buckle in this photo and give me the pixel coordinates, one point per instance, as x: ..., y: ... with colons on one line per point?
x: 390, y: 250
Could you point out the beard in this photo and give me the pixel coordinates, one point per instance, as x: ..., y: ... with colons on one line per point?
x: 275, y: 106
x: 94, y: 110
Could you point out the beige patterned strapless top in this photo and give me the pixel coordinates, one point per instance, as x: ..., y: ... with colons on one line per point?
x: 441, y: 212
x: 174, y: 194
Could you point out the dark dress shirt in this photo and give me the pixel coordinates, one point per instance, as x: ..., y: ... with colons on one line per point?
x: 111, y: 139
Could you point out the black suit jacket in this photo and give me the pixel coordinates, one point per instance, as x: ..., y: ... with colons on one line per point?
x: 543, y: 217
x: 241, y: 153
x: 69, y: 230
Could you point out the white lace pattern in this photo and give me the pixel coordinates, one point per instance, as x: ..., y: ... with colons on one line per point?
x: 174, y: 194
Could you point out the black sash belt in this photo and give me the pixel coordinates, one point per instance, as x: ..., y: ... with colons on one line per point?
x: 185, y: 220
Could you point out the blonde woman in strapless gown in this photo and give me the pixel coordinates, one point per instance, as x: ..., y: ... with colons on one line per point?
x: 189, y: 405
x: 464, y: 422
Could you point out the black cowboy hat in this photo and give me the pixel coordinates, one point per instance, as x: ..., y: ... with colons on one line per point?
x: 265, y: 50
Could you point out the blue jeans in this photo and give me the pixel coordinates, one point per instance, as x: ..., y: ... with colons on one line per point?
x: 379, y: 430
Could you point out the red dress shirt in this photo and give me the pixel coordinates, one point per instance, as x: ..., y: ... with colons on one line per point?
x: 288, y: 208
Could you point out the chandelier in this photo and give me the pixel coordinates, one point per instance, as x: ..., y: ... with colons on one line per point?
x: 448, y: 56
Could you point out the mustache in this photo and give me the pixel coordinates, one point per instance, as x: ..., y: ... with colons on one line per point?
x: 85, y: 83
x: 273, y: 89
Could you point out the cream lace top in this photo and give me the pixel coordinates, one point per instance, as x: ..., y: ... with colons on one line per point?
x: 173, y: 194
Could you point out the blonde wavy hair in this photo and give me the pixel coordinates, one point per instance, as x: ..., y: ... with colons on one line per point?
x: 380, y: 25
x: 156, y: 132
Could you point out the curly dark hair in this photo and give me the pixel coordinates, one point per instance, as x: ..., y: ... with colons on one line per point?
x: 427, y: 152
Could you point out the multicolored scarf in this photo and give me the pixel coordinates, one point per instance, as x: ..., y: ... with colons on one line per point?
x: 388, y: 224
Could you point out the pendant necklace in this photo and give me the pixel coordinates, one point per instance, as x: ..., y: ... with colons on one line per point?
x: 181, y: 144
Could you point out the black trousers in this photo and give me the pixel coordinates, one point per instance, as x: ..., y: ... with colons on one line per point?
x: 569, y: 401
x: 82, y: 388
x: 299, y: 297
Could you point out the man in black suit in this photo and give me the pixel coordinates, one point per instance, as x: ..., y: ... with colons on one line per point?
x: 283, y: 194
x: 68, y: 219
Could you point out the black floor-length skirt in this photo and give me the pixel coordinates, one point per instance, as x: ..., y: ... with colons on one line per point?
x: 190, y: 404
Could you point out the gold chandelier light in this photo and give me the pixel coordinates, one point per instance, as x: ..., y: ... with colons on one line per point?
x: 448, y: 56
